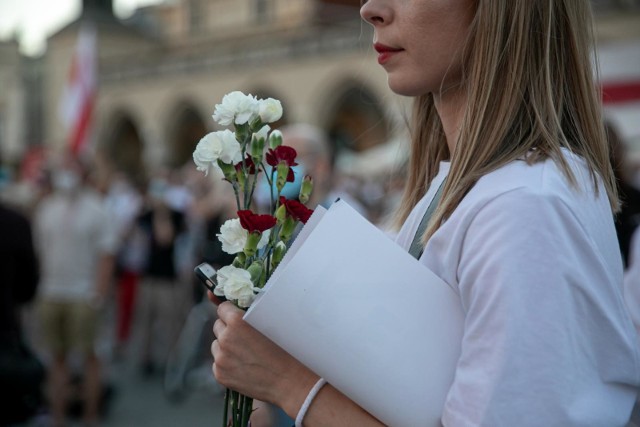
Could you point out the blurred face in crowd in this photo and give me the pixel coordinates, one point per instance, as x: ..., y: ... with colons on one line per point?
x: 67, y: 178
x: 313, y: 157
x: 419, y: 42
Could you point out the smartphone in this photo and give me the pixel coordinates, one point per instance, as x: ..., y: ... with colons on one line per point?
x: 206, y: 273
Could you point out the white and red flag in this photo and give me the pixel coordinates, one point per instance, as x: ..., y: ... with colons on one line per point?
x: 79, y: 95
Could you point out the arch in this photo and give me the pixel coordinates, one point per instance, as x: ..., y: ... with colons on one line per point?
x: 123, y: 145
x: 185, y: 129
x: 354, y: 118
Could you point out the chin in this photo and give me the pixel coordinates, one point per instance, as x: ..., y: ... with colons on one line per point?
x: 405, y: 87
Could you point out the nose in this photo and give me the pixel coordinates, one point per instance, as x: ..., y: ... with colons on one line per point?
x: 375, y: 13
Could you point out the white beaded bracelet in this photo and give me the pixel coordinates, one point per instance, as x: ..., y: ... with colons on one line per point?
x: 307, y: 402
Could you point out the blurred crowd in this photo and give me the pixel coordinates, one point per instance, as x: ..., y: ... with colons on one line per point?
x: 80, y: 240
x: 87, y: 241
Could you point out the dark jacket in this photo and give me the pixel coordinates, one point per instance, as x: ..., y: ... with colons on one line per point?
x: 18, y: 269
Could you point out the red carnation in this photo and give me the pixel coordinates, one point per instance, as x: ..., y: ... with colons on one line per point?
x: 252, y: 222
x: 280, y: 154
x: 248, y: 164
x: 291, y: 176
x: 296, y: 210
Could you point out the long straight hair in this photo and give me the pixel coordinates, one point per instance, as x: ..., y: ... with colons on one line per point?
x: 530, y: 91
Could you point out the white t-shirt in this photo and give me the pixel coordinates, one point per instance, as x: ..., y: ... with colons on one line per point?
x: 547, y: 340
x: 72, y: 235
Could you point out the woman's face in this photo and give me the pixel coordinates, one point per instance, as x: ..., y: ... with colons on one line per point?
x: 419, y: 42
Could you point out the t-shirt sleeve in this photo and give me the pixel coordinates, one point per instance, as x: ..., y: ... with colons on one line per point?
x: 539, y: 329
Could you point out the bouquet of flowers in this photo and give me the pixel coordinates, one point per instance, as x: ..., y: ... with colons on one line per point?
x: 258, y: 240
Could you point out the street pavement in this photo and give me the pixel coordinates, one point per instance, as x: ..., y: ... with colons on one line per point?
x: 188, y: 396
x: 141, y: 401
x: 134, y: 398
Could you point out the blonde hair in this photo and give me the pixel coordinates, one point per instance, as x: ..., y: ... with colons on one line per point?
x: 530, y: 91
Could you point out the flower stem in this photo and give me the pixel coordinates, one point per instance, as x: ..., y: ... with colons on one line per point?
x: 238, y: 413
x: 245, y: 170
x: 253, y: 185
x: 236, y: 191
x: 234, y: 408
x: 246, y: 411
x: 225, y: 410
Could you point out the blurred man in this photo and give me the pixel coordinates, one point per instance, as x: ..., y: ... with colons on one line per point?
x: 76, y: 246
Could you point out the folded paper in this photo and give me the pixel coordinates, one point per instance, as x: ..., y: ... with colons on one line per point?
x: 358, y: 310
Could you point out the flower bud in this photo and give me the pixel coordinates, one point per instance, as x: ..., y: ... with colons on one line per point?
x: 278, y: 253
x: 239, y: 260
x: 287, y: 229
x: 275, y: 139
x: 281, y: 178
x: 253, y: 238
x: 256, y: 270
x: 257, y: 147
x: 241, y: 178
x: 281, y: 213
x: 305, y: 189
x: 228, y: 170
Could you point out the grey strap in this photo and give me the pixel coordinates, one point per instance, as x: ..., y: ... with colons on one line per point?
x: 417, y: 247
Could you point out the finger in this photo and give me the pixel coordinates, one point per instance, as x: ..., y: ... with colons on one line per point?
x: 218, y: 328
x: 229, y: 312
x: 213, y: 298
x: 217, y: 374
x: 215, y: 349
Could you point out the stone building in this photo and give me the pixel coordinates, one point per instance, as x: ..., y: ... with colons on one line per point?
x: 12, y: 101
x: 162, y: 71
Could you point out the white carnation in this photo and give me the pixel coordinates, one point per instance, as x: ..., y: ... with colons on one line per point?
x: 270, y: 110
x: 230, y: 150
x: 235, y: 285
x: 236, y: 107
x: 232, y: 236
x: 216, y: 145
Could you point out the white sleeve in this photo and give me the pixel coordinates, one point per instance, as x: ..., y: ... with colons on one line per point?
x: 543, y: 343
x: 632, y: 280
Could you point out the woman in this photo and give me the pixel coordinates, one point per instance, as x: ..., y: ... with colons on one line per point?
x: 506, y: 109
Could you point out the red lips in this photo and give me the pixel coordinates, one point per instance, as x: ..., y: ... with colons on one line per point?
x: 385, y: 52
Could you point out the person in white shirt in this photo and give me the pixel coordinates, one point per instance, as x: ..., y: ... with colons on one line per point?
x: 506, y: 109
x: 76, y: 242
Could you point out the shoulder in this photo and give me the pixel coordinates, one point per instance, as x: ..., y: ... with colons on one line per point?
x: 10, y: 215
x: 523, y: 212
x: 519, y: 187
x: 13, y: 220
x: 94, y: 202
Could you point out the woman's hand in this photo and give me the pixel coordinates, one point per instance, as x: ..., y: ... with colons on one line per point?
x: 248, y: 362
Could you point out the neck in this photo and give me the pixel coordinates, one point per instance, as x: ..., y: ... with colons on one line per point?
x: 451, y: 105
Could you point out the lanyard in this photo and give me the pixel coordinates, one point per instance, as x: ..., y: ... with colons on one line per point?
x: 417, y: 247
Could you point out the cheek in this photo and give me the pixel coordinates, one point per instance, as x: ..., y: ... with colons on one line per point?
x: 419, y: 73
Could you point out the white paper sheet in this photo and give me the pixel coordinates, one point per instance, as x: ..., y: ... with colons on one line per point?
x: 362, y: 313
